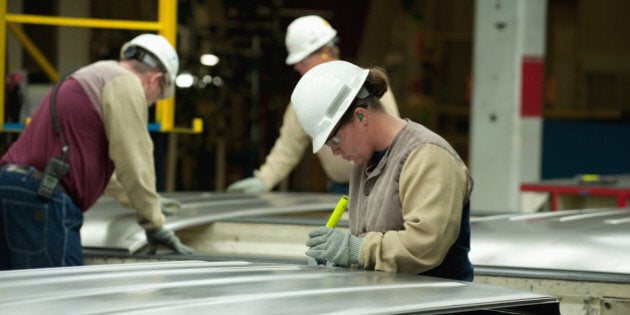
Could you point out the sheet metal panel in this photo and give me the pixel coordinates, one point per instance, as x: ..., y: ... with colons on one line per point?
x: 593, y: 240
x: 108, y: 225
x: 238, y: 287
x: 563, y: 244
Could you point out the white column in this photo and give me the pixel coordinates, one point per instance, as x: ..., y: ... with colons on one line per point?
x: 509, y: 39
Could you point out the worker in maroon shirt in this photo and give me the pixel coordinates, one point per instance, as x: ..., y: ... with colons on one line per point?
x: 67, y: 155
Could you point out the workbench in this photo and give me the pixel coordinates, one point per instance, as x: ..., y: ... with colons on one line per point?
x: 588, y: 186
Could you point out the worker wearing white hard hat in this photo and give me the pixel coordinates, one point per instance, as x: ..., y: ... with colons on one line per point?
x: 157, y: 52
x: 409, y: 190
x: 310, y: 41
x: 92, y: 125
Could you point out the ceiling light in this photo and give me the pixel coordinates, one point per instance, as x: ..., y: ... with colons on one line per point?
x: 209, y: 60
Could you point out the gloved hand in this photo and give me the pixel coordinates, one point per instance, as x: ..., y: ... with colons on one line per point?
x: 338, y: 246
x: 166, y: 237
x: 169, y: 206
x: 250, y: 185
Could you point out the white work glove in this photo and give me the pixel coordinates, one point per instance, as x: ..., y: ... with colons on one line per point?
x: 250, y: 185
x: 332, y: 245
x: 169, y: 206
x: 166, y: 237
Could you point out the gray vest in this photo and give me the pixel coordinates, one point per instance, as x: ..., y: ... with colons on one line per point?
x: 374, y: 196
x: 375, y: 204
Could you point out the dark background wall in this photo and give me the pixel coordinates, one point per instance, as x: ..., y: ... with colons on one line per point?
x: 585, y: 147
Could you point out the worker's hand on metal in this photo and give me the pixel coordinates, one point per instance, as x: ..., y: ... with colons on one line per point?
x: 250, y: 185
x: 162, y: 236
x: 169, y: 206
x: 338, y: 246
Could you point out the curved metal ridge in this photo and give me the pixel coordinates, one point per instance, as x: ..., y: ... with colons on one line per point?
x: 588, y: 214
x: 530, y: 273
x: 194, y: 287
x: 108, y: 225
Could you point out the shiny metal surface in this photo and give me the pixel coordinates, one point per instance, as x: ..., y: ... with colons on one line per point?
x: 573, y: 242
x: 238, y: 287
x: 550, y: 244
x: 108, y: 225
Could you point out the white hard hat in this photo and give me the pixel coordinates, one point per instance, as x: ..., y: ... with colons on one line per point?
x: 158, y: 47
x: 305, y: 35
x: 323, y: 95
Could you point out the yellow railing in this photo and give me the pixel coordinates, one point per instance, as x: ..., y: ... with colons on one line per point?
x: 166, y: 25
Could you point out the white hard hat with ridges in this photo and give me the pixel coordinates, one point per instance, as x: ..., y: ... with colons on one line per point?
x: 323, y: 95
x: 160, y: 47
x: 305, y: 35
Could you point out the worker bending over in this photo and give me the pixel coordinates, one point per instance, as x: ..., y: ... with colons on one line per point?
x: 91, y: 125
x: 409, y: 190
x: 310, y: 41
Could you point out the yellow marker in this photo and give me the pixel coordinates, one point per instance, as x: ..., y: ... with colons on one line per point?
x: 590, y: 178
x: 339, y: 210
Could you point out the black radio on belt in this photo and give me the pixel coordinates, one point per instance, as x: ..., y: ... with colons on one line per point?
x: 56, y: 167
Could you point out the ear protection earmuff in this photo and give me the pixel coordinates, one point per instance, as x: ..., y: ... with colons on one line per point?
x: 360, y: 116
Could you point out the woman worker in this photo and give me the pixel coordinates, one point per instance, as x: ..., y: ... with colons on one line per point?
x: 409, y: 189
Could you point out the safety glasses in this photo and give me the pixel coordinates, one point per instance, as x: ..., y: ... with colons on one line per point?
x: 334, y: 139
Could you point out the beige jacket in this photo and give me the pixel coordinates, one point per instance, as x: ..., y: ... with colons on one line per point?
x: 291, y: 145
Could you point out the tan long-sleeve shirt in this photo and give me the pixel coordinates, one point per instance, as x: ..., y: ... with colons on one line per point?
x: 131, y: 149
